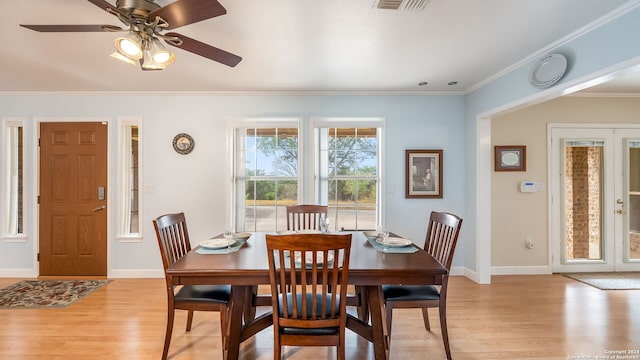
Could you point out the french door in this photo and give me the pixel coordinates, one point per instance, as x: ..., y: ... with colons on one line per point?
x: 595, y: 199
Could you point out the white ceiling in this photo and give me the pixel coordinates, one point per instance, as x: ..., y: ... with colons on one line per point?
x: 298, y: 45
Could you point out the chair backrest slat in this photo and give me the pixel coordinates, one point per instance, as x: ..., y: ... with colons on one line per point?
x: 173, y: 237
x: 442, y: 235
x: 309, y: 274
x: 305, y: 217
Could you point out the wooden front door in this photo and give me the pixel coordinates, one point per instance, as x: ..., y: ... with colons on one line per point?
x: 73, y: 183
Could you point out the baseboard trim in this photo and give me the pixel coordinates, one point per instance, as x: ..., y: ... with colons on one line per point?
x: 521, y: 270
x: 457, y: 271
x: 471, y: 275
x: 18, y: 273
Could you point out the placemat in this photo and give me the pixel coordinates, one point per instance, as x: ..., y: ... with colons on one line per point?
x: 393, y: 250
x: 205, y: 251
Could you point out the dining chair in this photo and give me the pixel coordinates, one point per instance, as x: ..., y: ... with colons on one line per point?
x: 173, y: 239
x: 308, y: 274
x: 442, y: 235
x: 305, y: 217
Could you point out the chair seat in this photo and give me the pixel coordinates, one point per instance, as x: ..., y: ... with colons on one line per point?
x: 410, y: 292
x: 204, y: 293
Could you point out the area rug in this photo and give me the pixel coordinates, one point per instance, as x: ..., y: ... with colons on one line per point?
x: 609, y: 280
x: 30, y: 294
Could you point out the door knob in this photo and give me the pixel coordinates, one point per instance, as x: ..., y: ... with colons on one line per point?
x: 619, y: 211
x: 102, y: 207
x: 619, y: 202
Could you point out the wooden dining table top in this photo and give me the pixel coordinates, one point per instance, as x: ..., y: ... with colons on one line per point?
x: 249, y: 266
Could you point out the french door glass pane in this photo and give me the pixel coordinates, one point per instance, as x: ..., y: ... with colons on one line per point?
x: 583, y: 195
x: 633, y: 210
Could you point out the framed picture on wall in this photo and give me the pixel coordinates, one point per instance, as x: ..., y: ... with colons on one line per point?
x: 510, y: 158
x: 423, y: 174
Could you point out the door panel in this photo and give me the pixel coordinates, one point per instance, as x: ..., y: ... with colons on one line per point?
x: 73, y: 223
x: 590, y: 191
x: 632, y: 187
x: 627, y: 206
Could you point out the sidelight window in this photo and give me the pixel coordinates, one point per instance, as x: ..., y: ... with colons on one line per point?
x: 13, y: 179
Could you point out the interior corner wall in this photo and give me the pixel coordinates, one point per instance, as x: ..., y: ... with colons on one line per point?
x: 516, y: 215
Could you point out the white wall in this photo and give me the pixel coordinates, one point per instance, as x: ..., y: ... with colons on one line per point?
x: 195, y: 183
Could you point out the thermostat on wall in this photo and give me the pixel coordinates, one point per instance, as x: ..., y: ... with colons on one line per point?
x: 531, y: 186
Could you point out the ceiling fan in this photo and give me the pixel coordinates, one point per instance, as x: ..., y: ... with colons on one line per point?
x: 146, y: 23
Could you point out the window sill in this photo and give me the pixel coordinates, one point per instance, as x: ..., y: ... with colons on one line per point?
x: 129, y: 238
x: 14, y: 238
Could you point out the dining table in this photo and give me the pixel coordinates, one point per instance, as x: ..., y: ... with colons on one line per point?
x: 245, y: 269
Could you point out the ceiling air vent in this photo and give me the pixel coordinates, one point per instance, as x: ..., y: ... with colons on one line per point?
x: 403, y: 5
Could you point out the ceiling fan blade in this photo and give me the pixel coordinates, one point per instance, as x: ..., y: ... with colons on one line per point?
x: 66, y: 28
x: 205, y: 50
x: 185, y: 12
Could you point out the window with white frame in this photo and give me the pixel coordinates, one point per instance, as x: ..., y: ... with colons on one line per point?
x: 343, y: 171
x: 129, y: 194
x: 349, y: 168
x: 13, y: 189
x: 266, y: 173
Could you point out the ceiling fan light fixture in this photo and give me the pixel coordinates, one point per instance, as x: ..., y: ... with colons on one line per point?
x: 117, y: 55
x: 130, y: 45
x: 149, y: 63
x: 159, y: 53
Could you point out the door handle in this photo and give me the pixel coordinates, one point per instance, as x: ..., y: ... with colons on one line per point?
x: 619, y: 202
x: 102, y: 207
x: 620, y: 212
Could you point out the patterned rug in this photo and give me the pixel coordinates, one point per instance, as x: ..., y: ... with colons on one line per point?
x: 30, y: 294
x: 609, y: 280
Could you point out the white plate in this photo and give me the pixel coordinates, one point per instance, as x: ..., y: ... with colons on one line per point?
x: 370, y: 234
x: 548, y: 70
x: 395, y: 242
x: 241, y: 236
x: 309, y: 258
x: 217, y: 243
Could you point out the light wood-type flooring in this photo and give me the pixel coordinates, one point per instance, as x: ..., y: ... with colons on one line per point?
x: 516, y: 317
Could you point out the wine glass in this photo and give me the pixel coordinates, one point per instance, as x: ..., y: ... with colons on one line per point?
x: 383, y: 234
x: 324, y: 225
x: 228, y: 236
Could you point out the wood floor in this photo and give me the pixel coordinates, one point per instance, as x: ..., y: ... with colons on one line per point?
x: 516, y: 317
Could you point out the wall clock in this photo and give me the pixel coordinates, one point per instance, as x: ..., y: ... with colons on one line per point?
x: 183, y: 143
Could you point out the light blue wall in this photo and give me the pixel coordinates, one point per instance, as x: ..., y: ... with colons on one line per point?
x: 196, y: 184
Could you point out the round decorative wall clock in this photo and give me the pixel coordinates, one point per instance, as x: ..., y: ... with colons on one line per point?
x: 183, y: 143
